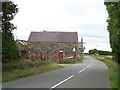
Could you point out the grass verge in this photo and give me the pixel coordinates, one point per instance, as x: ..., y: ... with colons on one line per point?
x: 19, y: 69
x: 112, y: 69
x: 9, y: 75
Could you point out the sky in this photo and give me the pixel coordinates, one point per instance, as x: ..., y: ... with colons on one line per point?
x: 87, y: 17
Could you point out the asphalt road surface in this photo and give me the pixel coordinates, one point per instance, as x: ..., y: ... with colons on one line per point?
x: 91, y: 73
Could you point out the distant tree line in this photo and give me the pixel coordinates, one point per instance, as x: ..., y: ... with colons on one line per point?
x: 113, y: 28
x: 101, y: 52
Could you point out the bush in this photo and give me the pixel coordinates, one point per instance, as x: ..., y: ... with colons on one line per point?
x: 93, y: 51
x: 104, y: 52
x: 101, y: 52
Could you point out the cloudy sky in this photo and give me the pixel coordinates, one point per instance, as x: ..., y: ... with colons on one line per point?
x: 87, y: 17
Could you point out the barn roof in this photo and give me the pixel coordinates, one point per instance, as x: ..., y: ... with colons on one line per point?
x: 53, y: 37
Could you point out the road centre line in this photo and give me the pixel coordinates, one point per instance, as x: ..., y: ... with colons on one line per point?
x: 89, y: 65
x: 82, y: 70
x: 62, y: 82
x: 68, y: 78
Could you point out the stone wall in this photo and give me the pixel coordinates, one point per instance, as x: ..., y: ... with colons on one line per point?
x: 46, y: 51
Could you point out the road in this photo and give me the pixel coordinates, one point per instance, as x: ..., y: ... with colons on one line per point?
x: 91, y: 73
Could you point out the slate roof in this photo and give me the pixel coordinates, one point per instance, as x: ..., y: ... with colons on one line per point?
x: 53, y: 37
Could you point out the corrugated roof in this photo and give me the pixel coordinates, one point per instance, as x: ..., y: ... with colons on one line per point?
x: 53, y: 37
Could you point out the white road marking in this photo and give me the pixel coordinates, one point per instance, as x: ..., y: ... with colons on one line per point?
x: 89, y: 65
x: 69, y: 77
x: 82, y: 70
x: 62, y: 82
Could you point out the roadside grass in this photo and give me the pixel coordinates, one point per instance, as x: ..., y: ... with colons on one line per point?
x: 27, y: 70
x: 18, y: 69
x: 72, y: 61
x: 112, y: 69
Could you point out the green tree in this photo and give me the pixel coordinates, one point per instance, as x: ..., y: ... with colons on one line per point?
x: 113, y: 28
x: 93, y: 51
x: 9, y: 48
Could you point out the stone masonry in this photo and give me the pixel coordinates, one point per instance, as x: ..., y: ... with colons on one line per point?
x: 51, y: 50
x: 47, y: 45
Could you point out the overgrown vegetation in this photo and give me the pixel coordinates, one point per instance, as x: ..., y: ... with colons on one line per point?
x: 23, y: 68
x: 21, y: 64
x: 9, y: 48
x: 20, y: 69
x: 71, y: 61
x: 113, y: 28
x: 112, y: 69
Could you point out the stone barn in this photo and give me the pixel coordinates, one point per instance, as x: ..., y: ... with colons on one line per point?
x: 53, y: 45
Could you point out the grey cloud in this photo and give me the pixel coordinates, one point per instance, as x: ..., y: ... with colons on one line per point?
x: 101, y: 26
x: 96, y: 41
x: 92, y: 30
x: 93, y: 35
x: 78, y: 9
x: 75, y: 10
